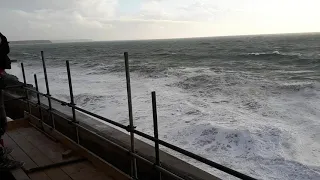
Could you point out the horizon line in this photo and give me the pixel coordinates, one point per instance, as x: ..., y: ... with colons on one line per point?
x: 148, y: 39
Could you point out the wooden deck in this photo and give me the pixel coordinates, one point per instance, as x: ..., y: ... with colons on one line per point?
x: 39, y: 152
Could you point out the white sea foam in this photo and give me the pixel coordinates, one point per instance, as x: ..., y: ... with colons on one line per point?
x: 264, y: 132
x: 274, y: 53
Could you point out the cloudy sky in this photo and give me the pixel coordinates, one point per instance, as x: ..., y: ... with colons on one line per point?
x: 153, y: 19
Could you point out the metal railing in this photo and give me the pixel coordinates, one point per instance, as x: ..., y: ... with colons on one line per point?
x: 130, y: 128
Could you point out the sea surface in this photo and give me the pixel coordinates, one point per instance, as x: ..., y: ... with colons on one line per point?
x: 251, y: 103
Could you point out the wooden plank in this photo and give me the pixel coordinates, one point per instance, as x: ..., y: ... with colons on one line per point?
x: 19, y: 155
x: 75, y: 171
x: 37, y: 156
x: 16, y: 124
x: 54, y: 152
x: 98, y: 162
x: 19, y: 174
x: 84, y: 171
x: 39, y: 176
x: 29, y: 149
x: 51, y: 149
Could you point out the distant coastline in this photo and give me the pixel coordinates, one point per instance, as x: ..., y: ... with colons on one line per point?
x: 30, y: 42
x: 71, y: 40
x: 23, y: 42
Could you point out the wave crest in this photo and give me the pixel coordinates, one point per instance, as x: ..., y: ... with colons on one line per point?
x: 272, y: 54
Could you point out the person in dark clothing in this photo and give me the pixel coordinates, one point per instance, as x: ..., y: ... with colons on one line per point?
x: 5, y: 63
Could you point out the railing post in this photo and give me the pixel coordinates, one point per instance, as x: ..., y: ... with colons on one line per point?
x: 133, y: 159
x: 155, y: 129
x: 72, y: 101
x: 48, y: 90
x: 38, y: 99
x: 25, y: 85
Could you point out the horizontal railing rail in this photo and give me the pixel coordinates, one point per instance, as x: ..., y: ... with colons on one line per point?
x: 130, y: 128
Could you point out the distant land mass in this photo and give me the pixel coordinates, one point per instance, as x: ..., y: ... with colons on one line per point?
x: 71, y: 40
x: 31, y: 42
x: 48, y: 41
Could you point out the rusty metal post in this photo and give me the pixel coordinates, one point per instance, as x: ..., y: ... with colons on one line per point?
x: 72, y: 100
x: 155, y: 129
x: 25, y: 85
x: 133, y: 159
x: 47, y: 87
x: 38, y: 100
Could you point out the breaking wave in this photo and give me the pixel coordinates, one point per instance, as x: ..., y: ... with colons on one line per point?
x: 272, y: 54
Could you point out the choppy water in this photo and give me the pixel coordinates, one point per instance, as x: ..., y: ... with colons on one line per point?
x: 251, y: 103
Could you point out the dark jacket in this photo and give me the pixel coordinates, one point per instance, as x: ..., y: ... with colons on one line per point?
x: 5, y: 62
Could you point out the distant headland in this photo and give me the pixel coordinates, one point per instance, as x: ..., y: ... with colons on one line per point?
x: 48, y: 41
x: 71, y: 40
x: 31, y: 42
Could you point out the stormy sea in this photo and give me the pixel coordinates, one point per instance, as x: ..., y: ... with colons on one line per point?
x: 251, y: 103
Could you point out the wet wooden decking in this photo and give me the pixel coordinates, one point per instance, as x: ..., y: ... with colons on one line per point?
x: 37, y: 150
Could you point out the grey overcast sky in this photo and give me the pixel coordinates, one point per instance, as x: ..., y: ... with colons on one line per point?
x: 153, y: 19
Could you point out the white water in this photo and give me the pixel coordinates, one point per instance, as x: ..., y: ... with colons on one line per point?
x: 267, y: 133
